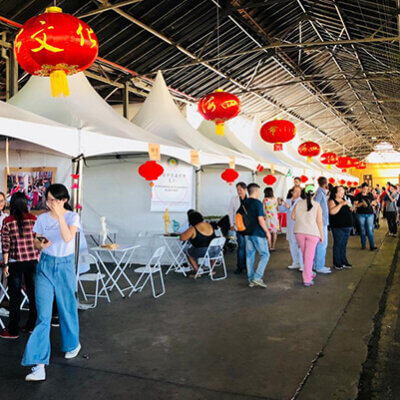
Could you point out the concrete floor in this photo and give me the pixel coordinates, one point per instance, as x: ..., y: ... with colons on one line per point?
x: 219, y: 340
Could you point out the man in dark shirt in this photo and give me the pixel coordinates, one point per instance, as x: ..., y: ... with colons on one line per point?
x: 258, y: 239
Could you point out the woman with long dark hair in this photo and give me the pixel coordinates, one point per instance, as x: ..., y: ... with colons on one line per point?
x: 308, y: 228
x: 20, y: 259
x: 55, y: 277
x: 341, y: 223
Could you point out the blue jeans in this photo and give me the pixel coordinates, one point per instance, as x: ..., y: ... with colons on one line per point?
x: 340, y: 239
x: 259, y: 244
x: 366, y: 224
x: 241, y: 252
x: 320, y: 252
x: 55, y: 276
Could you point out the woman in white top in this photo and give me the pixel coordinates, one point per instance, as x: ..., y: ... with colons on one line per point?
x: 308, y: 229
x: 55, y: 277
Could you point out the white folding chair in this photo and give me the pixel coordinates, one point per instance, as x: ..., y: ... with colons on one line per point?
x: 153, y: 267
x: 95, y: 276
x: 210, y: 261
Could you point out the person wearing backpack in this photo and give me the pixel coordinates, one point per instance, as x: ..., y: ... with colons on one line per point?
x: 234, y: 205
x: 257, y: 236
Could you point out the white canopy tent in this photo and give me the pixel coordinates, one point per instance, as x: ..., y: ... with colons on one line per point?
x: 101, y: 129
x: 161, y: 116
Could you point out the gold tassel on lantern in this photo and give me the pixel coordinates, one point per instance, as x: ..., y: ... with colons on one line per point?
x: 59, y: 83
x: 309, y: 160
x: 329, y: 166
x: 219, y: 129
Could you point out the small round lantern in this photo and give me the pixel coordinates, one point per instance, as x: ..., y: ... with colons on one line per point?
x: 303, y: 179
x: 355, y: 184
x: 229, y: 176
x: 349, y: 183
x: 344, y: 163
x: 269, y: 180
x: 309, y: 150
x: 328, y: 159
x: 151, y: 171
x: 331, y: 180
x: 342, y: 182
x: 278, y: 132
x: 55, y: 44
x: 219, y: 107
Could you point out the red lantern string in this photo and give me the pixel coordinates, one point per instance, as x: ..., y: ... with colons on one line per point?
x: 278, y: 132
x: 219, y: 107
x: 269, y: 180
x: 151, y: 171
x: 303, y: 179
x: 229, y: 175
x: 55, y: 44
x: 331, y: 180
x: 309, y: 150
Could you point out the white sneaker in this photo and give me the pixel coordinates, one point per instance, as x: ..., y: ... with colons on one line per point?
x: 259, y: 282
x: 293, y: 267
x: 38, y: 374
x: 72, y: 354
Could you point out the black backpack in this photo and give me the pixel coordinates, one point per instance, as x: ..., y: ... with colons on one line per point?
x: 244, y: 222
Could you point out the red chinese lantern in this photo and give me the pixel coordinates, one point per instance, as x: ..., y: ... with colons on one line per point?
x: 55, y: 44
x: 303, y: 179
x: 269, y: 180
x: 344, y: 163
x: 361, y: 165
x: 355, y: 183
x: 278, y: 132
x: 328, y: 159
x: 349, y: 183
x: 342, y: 181
x: 229, y: 175
x: 151, y: 171
x: 219, y: 107
x: 309, y: 150
x: 260, y: 168
x: 331, y: 180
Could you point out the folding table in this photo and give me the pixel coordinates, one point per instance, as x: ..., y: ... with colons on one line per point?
x: 176, y: 254
x: 96, y: 236
x: 121, y: 258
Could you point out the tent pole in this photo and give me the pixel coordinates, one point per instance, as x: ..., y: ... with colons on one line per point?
x: 77, y: 164
x: 198, y: 188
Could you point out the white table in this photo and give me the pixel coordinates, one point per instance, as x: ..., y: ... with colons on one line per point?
x: 176, y: 254
x: 96, y: 236
x: 122, y: 259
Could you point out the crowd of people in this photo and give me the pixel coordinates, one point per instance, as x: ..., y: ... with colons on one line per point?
x: 40, y: 251
x: 311, y: 213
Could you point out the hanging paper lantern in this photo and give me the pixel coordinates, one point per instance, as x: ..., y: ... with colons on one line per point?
x: 219, y: 107
x: 260, y: 168
x: 355, y: 183
x: 229, y: 175
x: 277, y: 132
x: 342, y: 181
x: 331, y: 180
x: 55, y: 44
x: 151, y: 171
x: 309, y: 150
x: 349, y: 183
x: 328, y: 159
x: 361, y: 165
x: 344, y: 163
x: 303, y: 179
x: 269, y: 180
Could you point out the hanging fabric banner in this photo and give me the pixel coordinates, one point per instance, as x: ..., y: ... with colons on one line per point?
x: 194, y: 158
x: 154, y: 152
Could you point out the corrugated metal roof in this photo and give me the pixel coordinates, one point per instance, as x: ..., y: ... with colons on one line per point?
x: 338, y: 95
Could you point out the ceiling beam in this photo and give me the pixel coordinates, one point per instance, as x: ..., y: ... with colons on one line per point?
x: 101, y: 9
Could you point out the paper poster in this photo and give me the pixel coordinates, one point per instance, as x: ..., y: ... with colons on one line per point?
x: 174, y: 188
x: 154, y: 152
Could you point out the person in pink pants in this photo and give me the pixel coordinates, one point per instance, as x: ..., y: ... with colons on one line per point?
x: 308, y: 229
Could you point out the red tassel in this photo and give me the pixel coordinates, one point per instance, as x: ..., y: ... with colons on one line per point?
x: 75, y: 186
x: 78, y: 207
